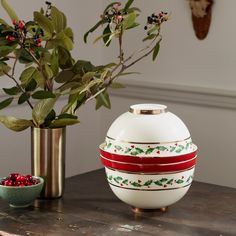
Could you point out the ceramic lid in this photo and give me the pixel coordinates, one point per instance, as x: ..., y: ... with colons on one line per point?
x: 148, y: 123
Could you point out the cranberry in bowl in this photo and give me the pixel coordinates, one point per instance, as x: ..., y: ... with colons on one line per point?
x: 20, y: 190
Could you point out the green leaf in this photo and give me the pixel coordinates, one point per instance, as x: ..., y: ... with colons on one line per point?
x: 64, y: 76
x: 12, y: 14
x: 101, y: 22
x: 50, y: 117
x: 61, y: 40
x: 88, y: 76
x: 163, y: 180
x: 37, y: 76
x: 135, y: 24
x: 170, y: 181
x: 106, y: 35
x: 3, y: 22
x: 67, y: 116
x: 88, y: 86
x: 179, y: 181
x: 139, y: 150
x: 5, y: 103
x: 149, y: 37
x: 5, y: 50
x: 148, y: 183
x: 161, y: 148
x: 11, y: 91
x: 58, y: 19
x: 23, y: 98
x: 103, y: 100
x: 82, y: 67
x: 65, y: 59
x: 24, y: 56
x: 159, y: 183
x: 118, y: 147
x: 4, y: 68
x: 48, y: 71
x: 128, y: 4
x: 153, y: 29
x: 117, y: 85
x: 15, y: 124
x: 44, y: 23
x: 156, y: 51
x: 31, y: 86
x: 63, y: 122
x: 42, y: 109
x: 43, y: 95
x: 27, y: 75
x: 69, y: 85
x: 149, y: 151
x: 134, y: 153
x: 128, y: 150
x: 135, y: 184
x: 68, y: 31
x: 54, y: 62
x: 129, y: 20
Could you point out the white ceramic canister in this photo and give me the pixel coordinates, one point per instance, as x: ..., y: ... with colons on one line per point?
x: 149, y: 157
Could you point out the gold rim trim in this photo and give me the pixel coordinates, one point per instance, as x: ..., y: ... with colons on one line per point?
x: 152, y: 173
x: 166, y: 189
x: 147, y: 111
x: 123, y: 141
x: 168, y: 164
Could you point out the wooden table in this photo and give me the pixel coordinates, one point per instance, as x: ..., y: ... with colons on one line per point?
x: 90, y: 208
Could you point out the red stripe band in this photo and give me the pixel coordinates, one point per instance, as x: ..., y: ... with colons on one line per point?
x: 148, y: 168
x: 147, y: 160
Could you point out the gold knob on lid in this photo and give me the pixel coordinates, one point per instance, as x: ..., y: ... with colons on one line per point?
x: 147, y: 109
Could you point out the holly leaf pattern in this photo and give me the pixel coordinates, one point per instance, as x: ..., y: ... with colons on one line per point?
x: 163, y: 180
x: 147, y: 183
x: 179, y: 181
x: 170, y: 181
x: 128, y: 150
x: 161, y: 148
x: 118, y: 179
x: 118, y: 147
x: 135, y: 184
x: 149, y: 150
x: 158, y: 182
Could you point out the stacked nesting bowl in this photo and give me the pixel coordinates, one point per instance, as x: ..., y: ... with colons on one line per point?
x: 149, y: 157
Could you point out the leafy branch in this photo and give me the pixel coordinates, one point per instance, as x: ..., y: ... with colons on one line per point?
x: 44, y: 44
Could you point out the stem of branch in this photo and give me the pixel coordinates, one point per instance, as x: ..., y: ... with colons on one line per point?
x: 19, y: 86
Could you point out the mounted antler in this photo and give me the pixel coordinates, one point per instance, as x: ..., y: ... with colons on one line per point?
x: 201, y: 16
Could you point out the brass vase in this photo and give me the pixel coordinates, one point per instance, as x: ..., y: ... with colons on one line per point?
x: 48, y: 147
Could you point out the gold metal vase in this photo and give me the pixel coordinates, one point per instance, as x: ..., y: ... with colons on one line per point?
x: 48, y: 147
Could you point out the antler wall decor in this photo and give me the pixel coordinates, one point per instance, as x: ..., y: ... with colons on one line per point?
x: 201, y: 16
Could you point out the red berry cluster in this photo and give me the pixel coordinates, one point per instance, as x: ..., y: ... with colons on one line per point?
x: 115, y: 14
x: 21, y: 34
x: 18, y: 180
x: 19, y: 28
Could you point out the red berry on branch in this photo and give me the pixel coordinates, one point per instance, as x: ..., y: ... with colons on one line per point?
x: 10, y: 38
x: 21, y: 25
x: 14, y: 22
